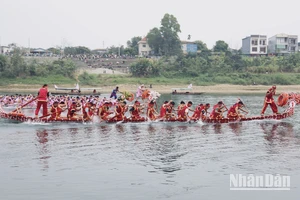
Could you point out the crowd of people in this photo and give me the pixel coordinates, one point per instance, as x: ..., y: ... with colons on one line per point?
x: 119, y: 108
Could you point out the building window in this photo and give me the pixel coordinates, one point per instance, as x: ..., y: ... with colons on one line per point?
x: 292, y: 41
x: 254, y: 42
x: 144, y: 45
x: 293, y: 48
x: 262, y: 50
x: 254, y: 49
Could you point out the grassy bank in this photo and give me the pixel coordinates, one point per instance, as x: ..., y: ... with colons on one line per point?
x: 203, y: 80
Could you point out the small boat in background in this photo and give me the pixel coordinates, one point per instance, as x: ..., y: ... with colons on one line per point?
x: 76, y: 91
x: 185, y: 91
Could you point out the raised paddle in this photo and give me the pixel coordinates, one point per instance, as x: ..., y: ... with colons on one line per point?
x: 247, y: 111
x: 25, y: 104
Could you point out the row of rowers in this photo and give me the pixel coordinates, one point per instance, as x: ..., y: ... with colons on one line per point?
x: 168, y: 111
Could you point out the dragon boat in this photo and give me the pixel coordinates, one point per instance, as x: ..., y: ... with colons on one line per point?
x: 20, y: 117
x: 289, y: 100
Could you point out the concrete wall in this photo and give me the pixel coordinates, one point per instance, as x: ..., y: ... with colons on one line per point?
x: 246, y: 45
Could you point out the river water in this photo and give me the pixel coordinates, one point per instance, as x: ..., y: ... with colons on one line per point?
x: 148, y: 160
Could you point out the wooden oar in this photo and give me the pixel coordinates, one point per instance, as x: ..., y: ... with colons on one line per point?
x: 25, y: 104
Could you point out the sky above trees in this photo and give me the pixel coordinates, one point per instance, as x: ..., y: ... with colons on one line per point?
x: 102, y: 23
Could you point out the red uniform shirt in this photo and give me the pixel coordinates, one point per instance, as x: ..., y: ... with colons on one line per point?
x: 43, y: 94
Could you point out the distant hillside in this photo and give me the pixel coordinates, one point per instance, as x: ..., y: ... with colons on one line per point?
x: 105, y: 64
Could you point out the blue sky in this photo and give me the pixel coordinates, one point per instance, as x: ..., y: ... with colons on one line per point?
x: 103, y: 23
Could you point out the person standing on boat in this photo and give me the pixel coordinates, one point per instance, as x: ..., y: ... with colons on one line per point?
x: 114, y: 93
x: 140, y: 91
x: 270, y: 101
x: 42, y: 100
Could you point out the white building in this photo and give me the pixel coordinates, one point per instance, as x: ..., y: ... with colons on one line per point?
x: 255, y: 45
x: 283, y: 44
x: 4, y: 49
x: 186, y: 46
x: 144, y: 49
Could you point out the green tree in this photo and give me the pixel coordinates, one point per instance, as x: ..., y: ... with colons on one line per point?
x: 133, y: 46
x: 54, y: 50
x: 77, y: 50
x: 116, y: 50
x: 145, y: 68
x: 201, y: 46
x: 155, y: 40
x: 18, y: 67
x: 169, y: 30
x: 3, y: 63
x: 220, y: 46
x: 165, y: 40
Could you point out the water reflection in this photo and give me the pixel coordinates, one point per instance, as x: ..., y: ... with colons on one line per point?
x: 217, y: 128
x: 236, y: 128
x: 282, y: 129
x: 120, y: 128
x: 44, y: 153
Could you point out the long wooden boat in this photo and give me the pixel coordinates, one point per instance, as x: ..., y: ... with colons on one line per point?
x: 20, y: 117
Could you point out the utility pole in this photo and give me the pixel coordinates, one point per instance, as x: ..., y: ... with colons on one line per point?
x: 119, y: 50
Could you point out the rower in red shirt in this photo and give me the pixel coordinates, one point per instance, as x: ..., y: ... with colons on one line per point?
x: 120, y: 110
x: 42, y: 100
x: 56, y: 111
x: 135, y: 111
x: 72, y: 111
x: 197, y: 112
x: 163, y: 109
x: 270, y: 101
x: 104, y: 111
x: 234, y: 111
x: 151, y: 112
x: 183, y: 112
x: 170, y: 116
x: 88, y: 111
x: 204, y: 111
x: 218, y: 110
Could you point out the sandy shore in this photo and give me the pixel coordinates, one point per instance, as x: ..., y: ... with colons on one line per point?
x: 215, y: 89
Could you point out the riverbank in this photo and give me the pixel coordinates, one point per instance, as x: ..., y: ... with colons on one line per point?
x: 163, y: 89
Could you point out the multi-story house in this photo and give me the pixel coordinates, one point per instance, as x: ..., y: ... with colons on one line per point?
x: 255, y: 45
x: 283, y: 44
x: 186, y: 46
x: 144, y: 49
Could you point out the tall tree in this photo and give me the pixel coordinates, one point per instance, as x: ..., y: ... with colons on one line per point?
x: 165, y: 40
x: 221, y: 46
x: 3, y: 63
x: 169, y: 30
x: 154, y: 39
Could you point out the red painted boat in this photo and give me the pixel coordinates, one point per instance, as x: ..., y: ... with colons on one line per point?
x: 22, y: 118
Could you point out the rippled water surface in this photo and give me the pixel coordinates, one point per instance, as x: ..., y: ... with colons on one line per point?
x: 148, y: 160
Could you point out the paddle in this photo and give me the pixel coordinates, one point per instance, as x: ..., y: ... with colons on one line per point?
x: 25, y: 104
x: 247, y: 110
